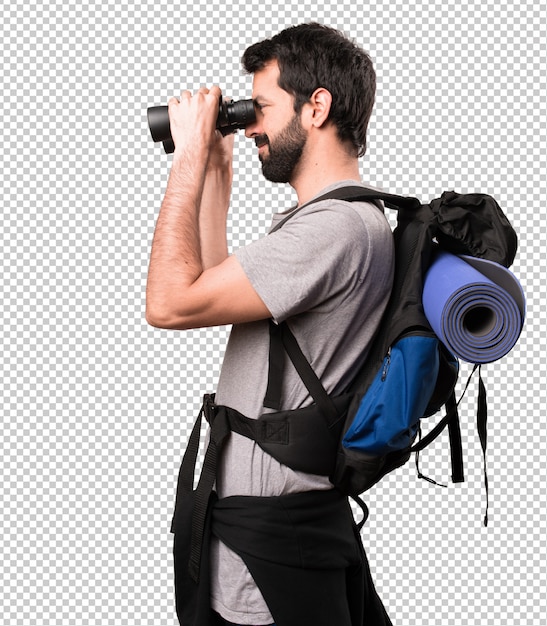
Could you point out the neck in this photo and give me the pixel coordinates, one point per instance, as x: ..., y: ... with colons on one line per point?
x: 323, y: 167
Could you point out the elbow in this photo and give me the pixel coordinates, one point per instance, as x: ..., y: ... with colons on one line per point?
x: 163, y: 317
x: 153, y: 319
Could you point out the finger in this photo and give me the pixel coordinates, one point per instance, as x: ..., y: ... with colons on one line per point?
x: 172, y: 106
x: 216, y: 91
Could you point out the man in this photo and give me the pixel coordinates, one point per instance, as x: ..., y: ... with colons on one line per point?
x: 327, y: 271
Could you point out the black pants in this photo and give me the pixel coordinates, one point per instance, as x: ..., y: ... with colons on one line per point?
x: 303, y: 551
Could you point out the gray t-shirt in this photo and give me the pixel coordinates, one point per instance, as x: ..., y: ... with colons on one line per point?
x: 328, y: 271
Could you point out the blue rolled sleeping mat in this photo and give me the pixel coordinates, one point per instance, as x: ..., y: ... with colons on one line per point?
x: 476, y: 307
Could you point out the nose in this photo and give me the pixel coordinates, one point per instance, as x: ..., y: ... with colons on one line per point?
x: 251, y: 130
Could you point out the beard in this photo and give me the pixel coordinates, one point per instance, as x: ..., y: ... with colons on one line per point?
x: 284, y: 152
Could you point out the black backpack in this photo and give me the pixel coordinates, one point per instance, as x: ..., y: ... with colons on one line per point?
x: 319, y: 439
x: 312, y: 439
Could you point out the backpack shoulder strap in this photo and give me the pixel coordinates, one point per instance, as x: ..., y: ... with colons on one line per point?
x: 283, y: 341
x: 356, y: 193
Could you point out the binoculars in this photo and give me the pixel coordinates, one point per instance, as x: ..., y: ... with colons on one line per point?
x: 232, y: 116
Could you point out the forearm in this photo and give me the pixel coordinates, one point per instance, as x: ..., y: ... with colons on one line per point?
x: 215, y: 201
x: 190, y: 234
x: 175, y: 258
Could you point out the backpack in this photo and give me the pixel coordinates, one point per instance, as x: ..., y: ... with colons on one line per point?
x: 408, y: 375
x: 325, y: 438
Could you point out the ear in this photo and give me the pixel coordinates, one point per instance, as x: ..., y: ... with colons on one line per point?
x: 319, y: 106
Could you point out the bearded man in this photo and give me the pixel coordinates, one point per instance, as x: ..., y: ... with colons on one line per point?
x: 328, y: 273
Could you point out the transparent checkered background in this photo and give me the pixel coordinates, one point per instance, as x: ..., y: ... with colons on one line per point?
x: 96, y: 405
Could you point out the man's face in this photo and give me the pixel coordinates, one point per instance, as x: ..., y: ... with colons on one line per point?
x: 278, y: 132
x: 284, y: 151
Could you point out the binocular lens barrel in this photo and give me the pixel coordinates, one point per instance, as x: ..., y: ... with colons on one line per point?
x: 232, y: 116
x: 158, y: 121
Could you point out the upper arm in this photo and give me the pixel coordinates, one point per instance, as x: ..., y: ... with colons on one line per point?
x: 221, y: 295
x: 310, y: 263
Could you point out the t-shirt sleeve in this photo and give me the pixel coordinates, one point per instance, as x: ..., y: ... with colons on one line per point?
x: 309, y: 261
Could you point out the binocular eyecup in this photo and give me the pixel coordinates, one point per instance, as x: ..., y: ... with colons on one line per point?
x: 232, y: 116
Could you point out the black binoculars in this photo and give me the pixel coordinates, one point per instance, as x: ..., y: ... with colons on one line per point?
x: 232, y: 116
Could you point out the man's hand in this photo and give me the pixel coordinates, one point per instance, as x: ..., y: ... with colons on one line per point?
x: 193, y: 128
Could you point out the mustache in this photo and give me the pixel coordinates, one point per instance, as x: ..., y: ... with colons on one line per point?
x: 261, y: 140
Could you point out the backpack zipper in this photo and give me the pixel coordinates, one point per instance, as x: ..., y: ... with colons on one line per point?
x: 387, y: 362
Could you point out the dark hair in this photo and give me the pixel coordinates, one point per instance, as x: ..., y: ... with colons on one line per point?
x: 312, y: 56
